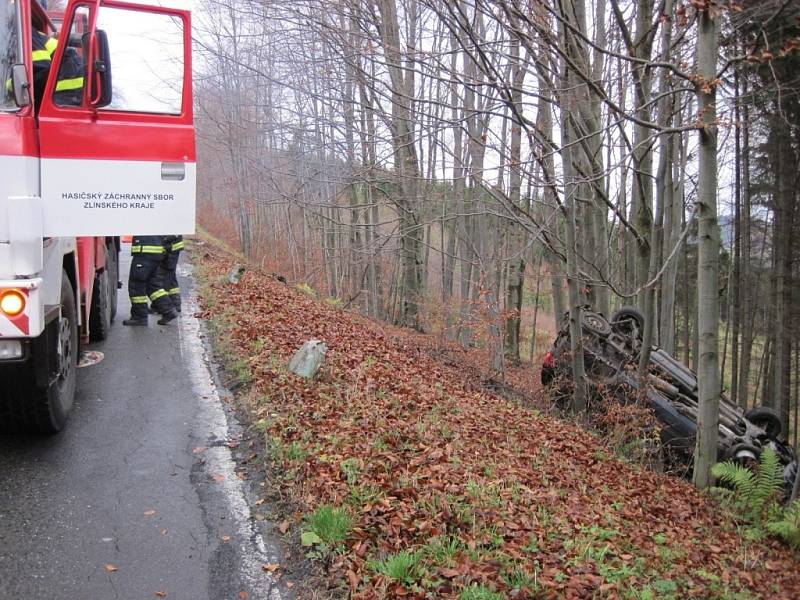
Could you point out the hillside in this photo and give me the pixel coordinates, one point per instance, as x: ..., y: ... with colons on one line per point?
x: 454, y: 491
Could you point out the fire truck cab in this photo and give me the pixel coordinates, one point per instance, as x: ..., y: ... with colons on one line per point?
x: 96, y: 140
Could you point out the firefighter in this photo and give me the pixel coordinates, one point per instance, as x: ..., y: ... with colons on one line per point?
x: 173, y: 244
x: 145, y: 281
x: 69, y: 85
x: 43, y: 48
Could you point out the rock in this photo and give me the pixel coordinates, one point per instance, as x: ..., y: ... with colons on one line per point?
x: 235, y: 276
x: 308, y: 359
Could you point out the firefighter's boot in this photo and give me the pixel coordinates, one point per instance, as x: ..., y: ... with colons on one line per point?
x: 136, y: 322
x: 167, y: 317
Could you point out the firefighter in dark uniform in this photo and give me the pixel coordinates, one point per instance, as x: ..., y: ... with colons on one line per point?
x: 173, y: 244
x: 145, y: 283
x: 69, y: 85
x: 43, y: 48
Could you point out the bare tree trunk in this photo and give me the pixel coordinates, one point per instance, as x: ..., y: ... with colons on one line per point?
x: 687, y: 308
x: 747, y: 312
x: 663, y: 191
x: 573, y: 10
x: 406, y: 165
x: 707, y: 255
x: 516, y: 266
x: 673, y: 220
x: 536, y: 305
x: 735, y: 313
x: 642, y: 197
x: 516, y: 270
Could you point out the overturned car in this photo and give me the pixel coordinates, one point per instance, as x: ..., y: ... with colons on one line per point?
x: 611, y: 349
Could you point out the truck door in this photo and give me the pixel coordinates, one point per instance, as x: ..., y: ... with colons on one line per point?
x: 116, y: 123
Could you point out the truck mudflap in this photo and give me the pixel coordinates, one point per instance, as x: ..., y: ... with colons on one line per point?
x: 29, y: 321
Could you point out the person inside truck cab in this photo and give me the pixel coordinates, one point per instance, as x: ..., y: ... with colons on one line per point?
x: 69, y: 86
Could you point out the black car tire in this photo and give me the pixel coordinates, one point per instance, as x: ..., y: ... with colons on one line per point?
x: 739, y: 450
x: 595, y: 323
x: 629, y: 312
x: 767, y: 418
x: 626, y: 314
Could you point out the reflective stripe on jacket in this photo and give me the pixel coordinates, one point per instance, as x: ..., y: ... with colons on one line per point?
x: 147, y: 249
x: 43, y: 48
x: 147, y: 244
x: 70, y: 72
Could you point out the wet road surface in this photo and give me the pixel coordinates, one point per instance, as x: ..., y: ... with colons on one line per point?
x: 137, y: 497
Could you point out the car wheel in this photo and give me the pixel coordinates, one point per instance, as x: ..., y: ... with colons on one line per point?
x: 595, y: 323
x: 629, y: 315
x: 745, y: 454
x: 767, y: 418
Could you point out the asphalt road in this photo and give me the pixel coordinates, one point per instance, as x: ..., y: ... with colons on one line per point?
x: 137, y: 497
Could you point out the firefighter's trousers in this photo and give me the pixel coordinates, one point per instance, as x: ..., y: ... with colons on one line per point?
x: 169, y: 277
x: 145, y: 283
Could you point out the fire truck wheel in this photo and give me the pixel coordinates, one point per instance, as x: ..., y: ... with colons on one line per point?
x: 112, y: 266
x: 40, y: 391
x: 100, y: 313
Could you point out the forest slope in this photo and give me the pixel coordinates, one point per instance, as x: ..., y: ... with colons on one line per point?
x: 454, y: 491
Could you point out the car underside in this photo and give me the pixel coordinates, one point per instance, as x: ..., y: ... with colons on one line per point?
x: 611, y: 352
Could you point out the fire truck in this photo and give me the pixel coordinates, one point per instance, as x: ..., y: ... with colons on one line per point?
x: 96, y: 140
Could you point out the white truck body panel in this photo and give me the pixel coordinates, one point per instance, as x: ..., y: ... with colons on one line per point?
x: 83, y: 197
x: 20, y: 178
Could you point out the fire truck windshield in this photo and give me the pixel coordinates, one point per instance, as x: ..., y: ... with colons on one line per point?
x: 9, y: 46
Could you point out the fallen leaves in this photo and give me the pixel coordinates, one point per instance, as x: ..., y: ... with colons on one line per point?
x: 433, y: 455
x: 271, y: 567
x: 111, y: 568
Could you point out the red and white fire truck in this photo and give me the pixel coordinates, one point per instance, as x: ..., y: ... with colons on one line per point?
x: 84, y: 158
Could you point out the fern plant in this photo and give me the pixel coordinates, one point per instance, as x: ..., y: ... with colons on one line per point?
x: 787, y: 526
x: 755, y: 496
x: 755, y: 493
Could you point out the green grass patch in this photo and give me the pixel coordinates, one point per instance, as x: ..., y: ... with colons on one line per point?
x: 403, y: 567
x: 326, y: 525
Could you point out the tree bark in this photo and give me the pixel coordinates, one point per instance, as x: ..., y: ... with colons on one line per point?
x: 707, y: 255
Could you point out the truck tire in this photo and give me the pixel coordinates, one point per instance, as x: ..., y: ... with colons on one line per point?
x: 767, y: 418
x: 112, y: 266
x: 36, y: 396
x: 100, y: 312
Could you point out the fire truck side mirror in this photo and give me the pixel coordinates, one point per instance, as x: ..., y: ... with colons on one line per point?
x: 21, y: 85
x: 100, y: 91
